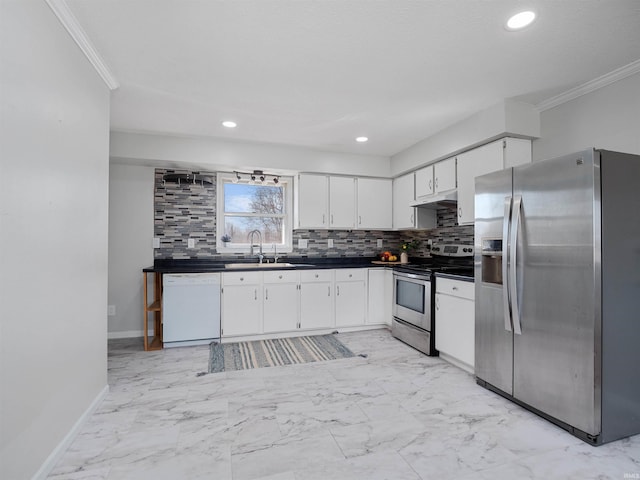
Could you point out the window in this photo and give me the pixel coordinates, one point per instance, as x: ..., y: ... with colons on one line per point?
x: 243, y: 207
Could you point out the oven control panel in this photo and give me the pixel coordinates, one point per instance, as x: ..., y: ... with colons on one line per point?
x: 452, y: 250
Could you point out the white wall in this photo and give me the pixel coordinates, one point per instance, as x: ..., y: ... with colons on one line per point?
x: 218, y: 154
x: 54, y: 134
x: 130, y: 244
x: 606, y: 118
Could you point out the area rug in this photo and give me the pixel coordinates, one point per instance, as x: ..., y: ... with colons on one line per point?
x: 271, y: 353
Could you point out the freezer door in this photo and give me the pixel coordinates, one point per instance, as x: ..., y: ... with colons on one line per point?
x: 494, y: 337
x: 558, y: 289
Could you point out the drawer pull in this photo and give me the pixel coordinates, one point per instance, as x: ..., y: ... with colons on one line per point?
x: 350, y: 275
x: 316, y: 275
x: 454, y: 288
x: 280, y: 277
x: 242, y: 279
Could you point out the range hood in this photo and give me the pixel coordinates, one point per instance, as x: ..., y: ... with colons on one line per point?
x: 444, y: 199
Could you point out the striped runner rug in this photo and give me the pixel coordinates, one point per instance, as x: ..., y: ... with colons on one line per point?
x: 276, y: 352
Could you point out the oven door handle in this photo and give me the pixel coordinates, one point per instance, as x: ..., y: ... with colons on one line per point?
x: 423, y: 278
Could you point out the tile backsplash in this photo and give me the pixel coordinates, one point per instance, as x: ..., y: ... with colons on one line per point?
x: 188, y: 211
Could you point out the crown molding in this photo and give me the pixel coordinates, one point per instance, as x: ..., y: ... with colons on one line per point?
x: 588, y: 87
x: 71, y: 24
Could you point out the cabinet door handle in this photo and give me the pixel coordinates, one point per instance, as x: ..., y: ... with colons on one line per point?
x: 323, y: 218
x: 266, y: 294
x: 460, y: 212
x: 436, y: 182
x: 412, y: 218
x: 255, y: 294
x: 359, y: 220
x: 332, y: 219
x: 338, y: 290
x: 430, y: 184
x: 437, y: 303
x: 328, y: 291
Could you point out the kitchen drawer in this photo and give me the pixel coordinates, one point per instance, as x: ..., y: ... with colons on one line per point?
x: 351, y: 274
x: 241, y: 278
x: 281, y: 276
x: 457, y: 288
x: 309, y: 276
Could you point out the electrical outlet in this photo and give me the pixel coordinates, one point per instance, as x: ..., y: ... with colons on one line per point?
x: 111, y: 310
x: 156, y: 242
x: 379, y: 243
x: 191, y: 243
x: 330, y: 243
x: 303, y: 243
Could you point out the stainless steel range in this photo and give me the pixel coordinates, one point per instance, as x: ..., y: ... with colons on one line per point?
x: 414, y: 293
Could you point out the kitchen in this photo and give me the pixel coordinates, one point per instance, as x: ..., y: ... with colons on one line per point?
x: 602, y: 114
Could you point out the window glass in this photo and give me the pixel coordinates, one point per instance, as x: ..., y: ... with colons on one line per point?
x: 247, y: 207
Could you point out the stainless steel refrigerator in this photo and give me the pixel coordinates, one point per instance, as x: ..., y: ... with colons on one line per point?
x: 557, y: 272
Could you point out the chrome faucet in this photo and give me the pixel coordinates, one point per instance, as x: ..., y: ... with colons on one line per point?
x: 251, y: 235
x: 275, y: 253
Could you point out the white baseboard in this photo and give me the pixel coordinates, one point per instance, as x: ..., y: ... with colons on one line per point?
x: 127, y: 334
x: 57, y: 452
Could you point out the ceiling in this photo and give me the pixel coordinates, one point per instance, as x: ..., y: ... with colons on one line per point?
x: 319, y: 73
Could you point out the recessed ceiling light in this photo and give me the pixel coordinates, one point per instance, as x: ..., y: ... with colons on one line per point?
x: 520, y: 20
x: 229, y: 124
x: 362, y: 139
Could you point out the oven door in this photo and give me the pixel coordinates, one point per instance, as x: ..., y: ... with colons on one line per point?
x: 412, y: 299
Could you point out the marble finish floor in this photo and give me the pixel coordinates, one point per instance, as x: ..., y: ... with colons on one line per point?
x: 396, y: 415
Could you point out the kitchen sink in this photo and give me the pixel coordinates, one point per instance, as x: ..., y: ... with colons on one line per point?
x: 264, y: 265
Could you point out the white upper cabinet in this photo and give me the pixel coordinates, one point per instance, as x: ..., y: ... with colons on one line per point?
x: 335, y: 202
x: 312, y: 201
x: 342, y: 202
x: 403, y: 197
x: 505, y: 153
x: 405, y: 216
x: 374, y: 203
x: 424, y: 182
x: 436, y: 178
x: 444, y: 175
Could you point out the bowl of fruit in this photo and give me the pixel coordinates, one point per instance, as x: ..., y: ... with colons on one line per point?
x: 388, y: 257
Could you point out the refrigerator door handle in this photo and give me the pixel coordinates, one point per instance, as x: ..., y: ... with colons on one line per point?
x: 515, y: 226
x: 506, y: 222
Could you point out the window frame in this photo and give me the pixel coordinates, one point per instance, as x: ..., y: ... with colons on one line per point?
x: 244, y: 248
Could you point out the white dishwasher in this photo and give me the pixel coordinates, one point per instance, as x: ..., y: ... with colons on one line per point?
x: 190, y: 309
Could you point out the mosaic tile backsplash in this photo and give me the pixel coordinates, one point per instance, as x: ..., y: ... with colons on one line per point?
x: 184, y: 211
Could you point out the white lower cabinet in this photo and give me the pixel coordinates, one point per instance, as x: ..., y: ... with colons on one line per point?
x: 241, y: 303
x: 455, y: 321
x: 280, y: 301
x: 351, y: 297
x: 316, y: 299
x: 380, y: 296
x: 280, y: 304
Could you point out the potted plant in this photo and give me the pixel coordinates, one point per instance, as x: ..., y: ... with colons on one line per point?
x: 225, y: 239
x: 406, y: 247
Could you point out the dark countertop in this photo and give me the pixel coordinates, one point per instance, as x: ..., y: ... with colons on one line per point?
x: 299, y: 263
x: 465, y: 276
